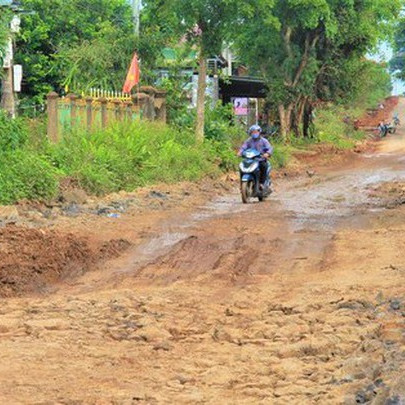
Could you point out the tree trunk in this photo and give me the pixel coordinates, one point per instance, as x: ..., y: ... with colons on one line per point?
x: 297, y: 118
x: 307, y: 119
x: 202, y: 85
x: 283, y: 129
x: 285, y: 119
x: 7, y: 98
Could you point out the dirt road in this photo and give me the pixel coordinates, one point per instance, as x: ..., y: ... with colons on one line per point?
x: 300, y: 300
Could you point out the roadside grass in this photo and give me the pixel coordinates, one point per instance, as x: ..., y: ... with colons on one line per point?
x: 331, y: 129
x: 124, y: 157
x: 121, y: 157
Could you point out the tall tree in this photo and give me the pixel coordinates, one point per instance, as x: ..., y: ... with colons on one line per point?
x: 206, y: 25
x: 59, y: 25
x: 291, y: 43
x: 397, y: 63
x: 5, y: 18
x: 7, y: 101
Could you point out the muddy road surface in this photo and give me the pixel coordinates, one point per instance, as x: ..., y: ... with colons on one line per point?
x: 299, y: 300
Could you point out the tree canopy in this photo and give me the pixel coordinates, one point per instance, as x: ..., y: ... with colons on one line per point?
x: 305, y: 50
x: 72, y: 41
x: 296, y: 46
x: 206, y: 24
x: 5, y: 17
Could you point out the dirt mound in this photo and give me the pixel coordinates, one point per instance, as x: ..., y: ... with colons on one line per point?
x: 375, y: 116
x: 31, y: 259
x: 114, y: 248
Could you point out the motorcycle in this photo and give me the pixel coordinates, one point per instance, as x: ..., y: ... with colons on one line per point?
x: 249, y: 170
x: 386, y: 129
x: 392, y: 128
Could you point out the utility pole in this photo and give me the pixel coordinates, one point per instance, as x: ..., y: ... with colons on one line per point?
x: 8, y: 97
x: 136, y: 12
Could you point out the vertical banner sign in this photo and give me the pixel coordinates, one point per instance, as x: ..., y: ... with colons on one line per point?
x: 241, y: 105
x: 17, y: 79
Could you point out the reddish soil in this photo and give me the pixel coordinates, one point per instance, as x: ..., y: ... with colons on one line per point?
x: 31, y: 260
x: 299, y: 300
x: 374, y: 117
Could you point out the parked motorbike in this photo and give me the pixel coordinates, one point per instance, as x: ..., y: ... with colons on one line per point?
x: 250, y: 177
x: 386, y: 129
x: 397, y: 121
x: 392, y: 128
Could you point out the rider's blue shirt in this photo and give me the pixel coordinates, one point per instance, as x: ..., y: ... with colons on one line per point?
x: 262, y: 145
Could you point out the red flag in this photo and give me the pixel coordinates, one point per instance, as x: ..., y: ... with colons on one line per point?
x: 132, y: 76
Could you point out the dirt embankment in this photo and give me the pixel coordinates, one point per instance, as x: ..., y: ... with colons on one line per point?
x: 31, y: 260
x: 375, y: 116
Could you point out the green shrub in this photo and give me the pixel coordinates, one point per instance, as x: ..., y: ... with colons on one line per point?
x: 281, y: 155
x: 13, y: 133
x: 332, y: 129
x: 26, y: 175
x: 124, y: 157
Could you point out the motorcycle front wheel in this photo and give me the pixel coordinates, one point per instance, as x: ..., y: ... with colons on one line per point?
x: 246, y: 191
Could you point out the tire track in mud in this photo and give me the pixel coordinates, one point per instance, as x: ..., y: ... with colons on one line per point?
x: 289, y: 232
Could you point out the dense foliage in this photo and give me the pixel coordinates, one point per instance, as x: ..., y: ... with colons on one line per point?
x: 397, y: 64
x: 74, y: 42
x: 122, y: 157
x: 300, y: 47
x: 4, y: 31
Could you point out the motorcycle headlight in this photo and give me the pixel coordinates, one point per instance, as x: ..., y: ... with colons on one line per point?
x: 248, y: 168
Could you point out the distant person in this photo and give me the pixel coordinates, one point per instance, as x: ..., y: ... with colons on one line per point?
x: 397, y: 121
x: 383, y: 128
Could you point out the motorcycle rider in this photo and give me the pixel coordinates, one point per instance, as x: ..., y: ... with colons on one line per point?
x: 383, y: 128
x: 262, y: 145
x: 395, y: 118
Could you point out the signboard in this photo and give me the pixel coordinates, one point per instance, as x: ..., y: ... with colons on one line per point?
x: 240, y: 105
x: 17, y: 79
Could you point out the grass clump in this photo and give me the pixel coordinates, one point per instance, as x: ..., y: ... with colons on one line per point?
x: 121, y: 157
x: 124, y: 157
x: 13, y: 133
x: 26, y: 175
x: 332, y: 129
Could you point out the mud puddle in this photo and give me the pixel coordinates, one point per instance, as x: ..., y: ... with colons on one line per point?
x: 324, y: 205
x: 304, y: 213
